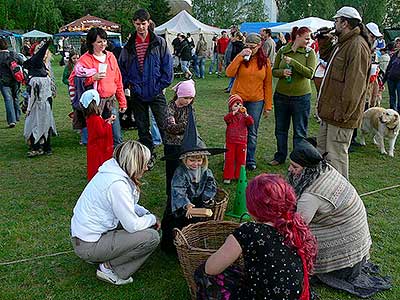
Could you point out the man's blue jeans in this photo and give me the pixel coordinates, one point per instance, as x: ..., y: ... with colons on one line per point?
x: 155, y: 133
x: 286, y: 108
x: 10, y: 95
x: 200, y: 66
x: 394, y: 94
x: 214, y: 62
x: 255, y: 110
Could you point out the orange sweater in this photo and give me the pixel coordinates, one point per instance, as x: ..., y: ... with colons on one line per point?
x: 251, y: 83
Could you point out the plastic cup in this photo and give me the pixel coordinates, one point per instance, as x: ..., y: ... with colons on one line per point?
x: 102, y: 68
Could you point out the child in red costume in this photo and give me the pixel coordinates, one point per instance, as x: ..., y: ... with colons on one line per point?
x: 237, y: 121
x: 100, y: 145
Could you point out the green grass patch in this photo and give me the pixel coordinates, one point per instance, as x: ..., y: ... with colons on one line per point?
x: 37, y: 197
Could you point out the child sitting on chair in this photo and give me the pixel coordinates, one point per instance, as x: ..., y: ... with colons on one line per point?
x: 237, y: 121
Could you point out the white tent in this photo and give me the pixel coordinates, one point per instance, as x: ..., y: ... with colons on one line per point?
x: 311, y: 22
x: 184, y: 23
x: 36, y: 34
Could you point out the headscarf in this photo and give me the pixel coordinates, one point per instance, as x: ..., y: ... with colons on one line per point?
x: 185, y: 89
x: 88, y: 96
x: 313, y: 163
x: 306, y: 155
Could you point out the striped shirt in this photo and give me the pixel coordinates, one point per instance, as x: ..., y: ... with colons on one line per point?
x: 141, y: 48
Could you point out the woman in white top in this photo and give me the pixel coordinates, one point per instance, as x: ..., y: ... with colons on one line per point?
x: 109, y: 226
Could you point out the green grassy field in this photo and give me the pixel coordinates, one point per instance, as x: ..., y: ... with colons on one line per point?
x: 37, y: 197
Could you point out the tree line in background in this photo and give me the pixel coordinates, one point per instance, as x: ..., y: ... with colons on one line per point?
x: 223, y: 13
x: 382, y: 12
x: 50, y: 15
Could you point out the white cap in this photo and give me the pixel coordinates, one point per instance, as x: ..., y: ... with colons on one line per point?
x: 348, y: 12
x: 374, y: 29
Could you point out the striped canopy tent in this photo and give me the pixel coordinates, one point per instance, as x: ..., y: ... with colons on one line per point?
x: 87, y: 22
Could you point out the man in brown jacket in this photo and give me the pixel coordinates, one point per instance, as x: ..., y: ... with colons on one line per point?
x: 341, y: 98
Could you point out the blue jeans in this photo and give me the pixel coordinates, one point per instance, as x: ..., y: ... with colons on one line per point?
x: 185, y: 66
x: 201, y: 60
x: 116, y: 127
x: 195, y: 65
x: 214, y: 62
x: 394, y: 88
x: 84, y: 136
x: 10, y: 95
x: 155, y: 133
x: 230, y: 85
x: 286, y: 108
x: 255, y: 110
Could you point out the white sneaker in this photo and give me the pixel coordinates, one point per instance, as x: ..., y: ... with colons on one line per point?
x: 227, y: 181
x: 108, y: 275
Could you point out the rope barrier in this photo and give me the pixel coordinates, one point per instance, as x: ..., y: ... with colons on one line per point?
x: 34, y: 258
x: 7, y: 263
x: 380, y: 190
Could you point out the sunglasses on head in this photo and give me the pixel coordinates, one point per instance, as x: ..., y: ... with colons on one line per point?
x: 251, y: 46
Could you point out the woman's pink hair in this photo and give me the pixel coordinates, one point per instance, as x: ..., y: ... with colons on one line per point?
x: 269, y: 198
x: 299, y: 31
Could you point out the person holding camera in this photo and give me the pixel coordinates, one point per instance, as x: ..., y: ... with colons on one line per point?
x: 342, y: 95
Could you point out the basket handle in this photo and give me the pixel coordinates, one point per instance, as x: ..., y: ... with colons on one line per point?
x: 177, y: 231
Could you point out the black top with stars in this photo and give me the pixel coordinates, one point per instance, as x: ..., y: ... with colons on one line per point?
x: 272, y: 269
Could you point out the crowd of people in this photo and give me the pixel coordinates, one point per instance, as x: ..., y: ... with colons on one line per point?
x: 310, y: 226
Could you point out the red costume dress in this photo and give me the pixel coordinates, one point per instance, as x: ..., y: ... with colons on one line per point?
x: 236, y: 143
x: 100, y: 144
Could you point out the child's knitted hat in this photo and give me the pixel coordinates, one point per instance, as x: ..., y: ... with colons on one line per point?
x: 185, y: 89
x: 233, y: 99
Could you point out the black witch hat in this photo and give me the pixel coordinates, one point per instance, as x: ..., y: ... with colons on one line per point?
x: 35, y: 65
x: 192, y: 143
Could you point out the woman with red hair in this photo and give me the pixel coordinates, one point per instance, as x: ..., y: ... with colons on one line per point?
x: 295, y: 64
x: 278, y: 249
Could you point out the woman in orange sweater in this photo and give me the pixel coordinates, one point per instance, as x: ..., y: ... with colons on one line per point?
x: 253, y: 83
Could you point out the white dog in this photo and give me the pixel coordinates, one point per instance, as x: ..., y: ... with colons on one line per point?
x: 384, y: 123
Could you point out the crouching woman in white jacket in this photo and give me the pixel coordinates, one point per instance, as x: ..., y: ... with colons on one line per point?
x: 109, y: 226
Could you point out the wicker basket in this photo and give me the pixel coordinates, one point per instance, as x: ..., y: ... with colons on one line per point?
x: 196, y: 242
x: 219, y: 207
